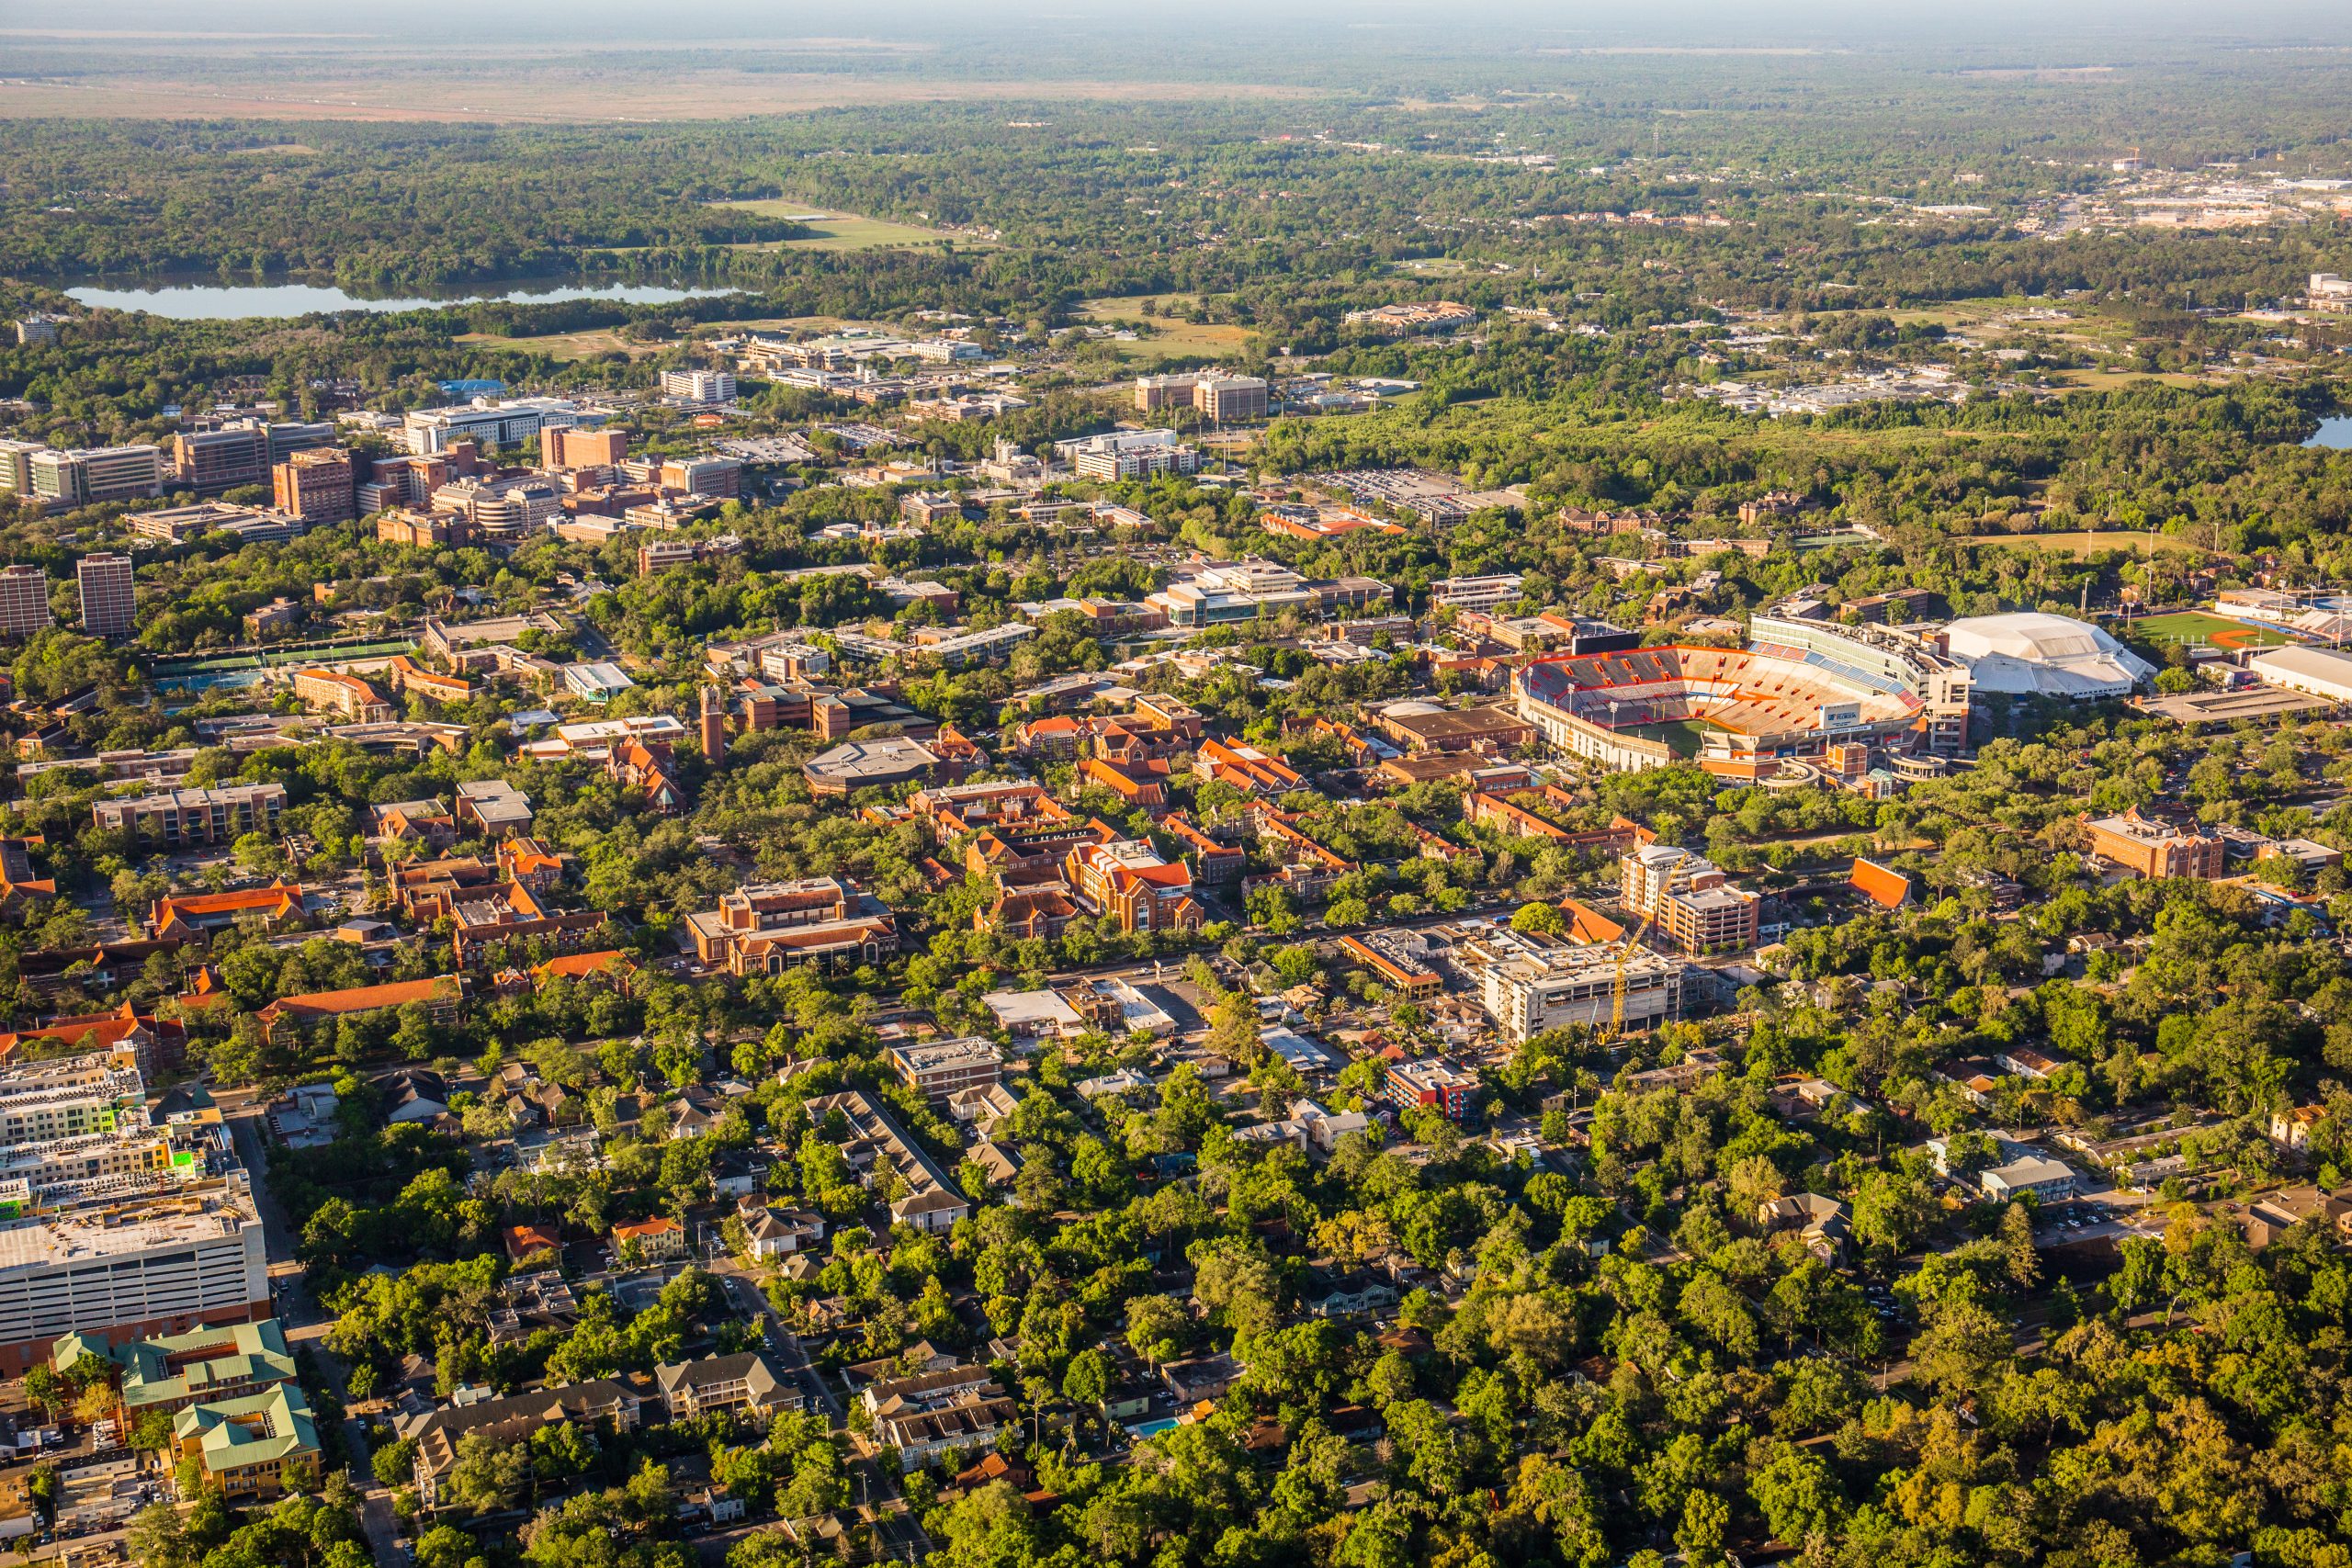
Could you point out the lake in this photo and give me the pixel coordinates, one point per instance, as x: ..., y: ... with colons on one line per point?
x: 234, y: 301
x: 2336, y: 431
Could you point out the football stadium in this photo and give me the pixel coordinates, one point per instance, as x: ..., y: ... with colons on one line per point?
x: 1795, y: 689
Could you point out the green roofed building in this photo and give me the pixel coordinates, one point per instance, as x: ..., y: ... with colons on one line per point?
x: 173, y: 1371
x: 250, y: 1448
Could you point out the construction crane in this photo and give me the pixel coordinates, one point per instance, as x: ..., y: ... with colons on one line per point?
x: 1617, y: 991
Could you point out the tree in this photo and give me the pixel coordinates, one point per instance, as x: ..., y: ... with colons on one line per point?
x: 394, y: 1465
x: 1963, y: 1342
x: 1159, y: 1328
x: 43, y: 1387
x: 1539, y: 920
x: 1798, y: 1497
x: 1233, y: 1029
x: 1088, y: 1380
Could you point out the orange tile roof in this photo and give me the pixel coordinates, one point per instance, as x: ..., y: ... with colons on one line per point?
x: 573, y: 965
x: 367, y: 998
x: 278, y: 898
x: 1888, y: 889
x: 1587, y: 924
x: 522, y: 1240
x: 91, y: 1032
x: 658, y: 1225
x: 524, y: 856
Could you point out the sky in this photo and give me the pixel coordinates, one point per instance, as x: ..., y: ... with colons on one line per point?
x: 1665, y: 23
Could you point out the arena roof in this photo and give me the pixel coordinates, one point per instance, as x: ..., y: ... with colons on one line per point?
x: 2032, y: 654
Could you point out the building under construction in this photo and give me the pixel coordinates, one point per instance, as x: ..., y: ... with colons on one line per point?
x: 1529, y: 983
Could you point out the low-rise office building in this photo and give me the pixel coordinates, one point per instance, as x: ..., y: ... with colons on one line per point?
x: 940, y: 1069
x: 212, y: 816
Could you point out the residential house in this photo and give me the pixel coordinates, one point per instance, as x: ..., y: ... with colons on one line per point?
x: 656, y: 1240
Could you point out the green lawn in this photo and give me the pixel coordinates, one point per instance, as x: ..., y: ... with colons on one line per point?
x: 841, y: 231
x: 1173, y: 337
x: 2191, y: 627
x: 2084, y: 542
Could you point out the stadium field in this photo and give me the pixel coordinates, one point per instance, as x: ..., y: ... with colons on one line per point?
x: 2193, y: 627
x: 1684, y: 735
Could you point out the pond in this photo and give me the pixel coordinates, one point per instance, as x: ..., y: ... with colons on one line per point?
x: 2335, y: 433
x: 193, y: 301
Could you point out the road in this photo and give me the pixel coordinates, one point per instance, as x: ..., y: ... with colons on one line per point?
x: 904, y: 1531
x: 306, y: 1323
x: 745, y: 1292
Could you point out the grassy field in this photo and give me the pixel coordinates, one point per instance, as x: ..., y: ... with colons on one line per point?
x: 2190, y: 627
x: 570, y: 348
x: 2083, y: 543
x: 1173, y: 337
x: 567, y: 347
x: 2109, y: 380
x: 842, y: 231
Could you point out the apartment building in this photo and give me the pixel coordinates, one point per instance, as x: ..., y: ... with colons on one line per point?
x: 173, y: 1371
x: 145, y: 1266
x: 1691, y: 902
x: 437, y: 1433
x: 2151, y: 849
x: 86, y: 476
x: 1477, y: 593
x: 70, y: 1097
x: 745, y: 1384
x: 698, y: 386
x: 24, y: 601
x: 1400, y: 958
x: 768, y: 927
x: 314, y: 486
x: 656, y: 1240
x: 215, y: 816
x: 941, y: 1069
x: 332, y: 690
x: 107, y: 599
x: 876, y: 1145
x: 1440, y: 1086
x: 251, y: 1448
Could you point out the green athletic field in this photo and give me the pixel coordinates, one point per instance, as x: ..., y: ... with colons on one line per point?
x: 2195, y: 626
x: 1684, y: 735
